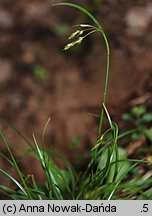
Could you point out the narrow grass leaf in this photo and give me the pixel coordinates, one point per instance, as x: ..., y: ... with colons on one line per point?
x: 14, y: 180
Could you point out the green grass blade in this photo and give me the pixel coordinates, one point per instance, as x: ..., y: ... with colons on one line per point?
x: 69, y: 167
x: 126, y: 133
x: 7, y: 159
x: 49, y: 173
x: 118, y: 182
x: 44, y: 131
x: 15, y: 181
x: 15, y: 163
x: 19, y: 133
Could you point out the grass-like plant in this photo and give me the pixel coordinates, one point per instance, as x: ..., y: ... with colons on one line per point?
x: 107, y: 175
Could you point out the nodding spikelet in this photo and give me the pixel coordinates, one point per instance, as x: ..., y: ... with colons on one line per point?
x: 78, y: 41
x: 76, y: 33
x: 86, y: 26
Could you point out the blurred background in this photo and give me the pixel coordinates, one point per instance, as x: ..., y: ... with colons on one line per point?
x: 39, y: 80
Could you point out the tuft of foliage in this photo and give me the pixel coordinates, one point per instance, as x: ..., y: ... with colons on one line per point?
x: 105, y: 177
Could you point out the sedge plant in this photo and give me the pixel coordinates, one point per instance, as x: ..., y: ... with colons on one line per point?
x: 107, y: 174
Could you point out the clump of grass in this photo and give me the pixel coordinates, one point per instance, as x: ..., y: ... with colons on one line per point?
x: 107, y: 173
x: 105, y: 177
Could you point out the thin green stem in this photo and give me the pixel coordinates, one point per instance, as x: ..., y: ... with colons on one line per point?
x: 106, y: 82
x: 90, y: 33
x: 99, y: 27
x: 15, y: 165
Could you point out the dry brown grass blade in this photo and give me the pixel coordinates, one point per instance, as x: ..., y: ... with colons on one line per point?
x: 134, y: 145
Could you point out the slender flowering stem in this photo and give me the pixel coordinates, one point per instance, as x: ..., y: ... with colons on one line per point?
x: 100, y: 29
x: 106, y: 84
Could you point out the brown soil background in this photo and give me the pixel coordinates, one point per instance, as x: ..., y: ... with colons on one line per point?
x: 29, y: 35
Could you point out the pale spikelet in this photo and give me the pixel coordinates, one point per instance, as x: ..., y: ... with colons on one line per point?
x: 86, y: 26
x: 76, y: 33
x: 78, y: 41
x: 68, y: 46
